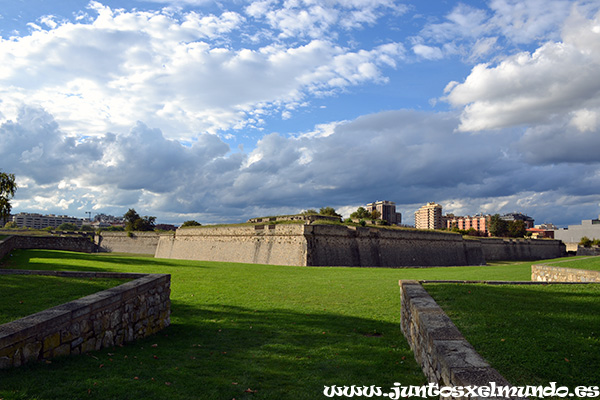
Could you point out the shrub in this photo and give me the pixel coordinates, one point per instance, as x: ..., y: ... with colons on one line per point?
x: 585, y: 242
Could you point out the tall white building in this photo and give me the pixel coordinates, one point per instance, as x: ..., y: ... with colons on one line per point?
x: 429, y: 217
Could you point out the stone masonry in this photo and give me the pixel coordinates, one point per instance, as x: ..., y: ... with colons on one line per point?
x: 445, y: 356
x: 133, y: 310
x: 548, y: 273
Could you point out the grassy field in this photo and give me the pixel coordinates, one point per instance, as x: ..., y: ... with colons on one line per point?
x: 245, y: 331
x: 283, y: 332
x: 531, y: 334
x: 591, y: 263
x: 23, y: 295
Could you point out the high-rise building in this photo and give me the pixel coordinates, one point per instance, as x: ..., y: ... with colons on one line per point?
x: 387, y: 209
x: 429, y: 217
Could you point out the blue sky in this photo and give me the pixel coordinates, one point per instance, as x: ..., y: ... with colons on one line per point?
x: 222, y: 111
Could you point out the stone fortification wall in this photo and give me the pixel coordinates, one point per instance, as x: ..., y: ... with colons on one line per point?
x: 330, y: 245
x: 282, y: 244
x: 333, y: 245
x: 108, y: 318
x: 68, y: 243
x: 495, y: 249
x: 588, y: 251
x: 126, y: 242
x: 547, y: 273
x: 445, y: 356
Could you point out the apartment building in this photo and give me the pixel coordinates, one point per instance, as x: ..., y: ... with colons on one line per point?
x: 39, y: 221
x: 478, y: 222
x: 429, y: 216
x: 387, y: 209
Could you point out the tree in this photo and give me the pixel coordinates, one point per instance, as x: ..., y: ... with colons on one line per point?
x: 133, y: 221
x: 517, y: 229
x: 328, y: 211
x: 190, y: 223
x: 66, y: 227
x: 130, y: 217
x: 498, y: 227
x: 375, y: 214
x: 144, y: 224
x: 8, y: 187
x: 585, y: 242
x: 360, y: 213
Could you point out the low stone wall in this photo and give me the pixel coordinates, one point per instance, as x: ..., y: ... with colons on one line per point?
x: 588, y: 251
x: 128, y: 242
x: 67, y: 243
x: 445, y: 356
x: 108, y: 318
x: 547, y: 273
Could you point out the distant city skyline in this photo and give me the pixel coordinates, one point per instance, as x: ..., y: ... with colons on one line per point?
x: 223, y: 111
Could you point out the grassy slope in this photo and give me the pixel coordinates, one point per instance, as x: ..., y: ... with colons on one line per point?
x: 283, y: 331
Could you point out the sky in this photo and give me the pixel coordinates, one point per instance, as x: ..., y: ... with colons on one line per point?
x: 219, y: 111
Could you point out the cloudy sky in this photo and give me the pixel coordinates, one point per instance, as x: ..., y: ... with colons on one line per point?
x: 222, y: 111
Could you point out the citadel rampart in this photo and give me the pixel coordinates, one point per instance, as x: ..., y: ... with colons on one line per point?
x: 332, y: 245
x: 128, y: 242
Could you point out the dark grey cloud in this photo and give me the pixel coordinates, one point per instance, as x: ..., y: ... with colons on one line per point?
x: 406, y: 156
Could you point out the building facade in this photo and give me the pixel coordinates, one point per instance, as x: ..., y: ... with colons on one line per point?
x: 39, y: 221
x: 429, y: 216
x: 519, y: 217
x: 478, y: 222
x: 387, y: 209
x: 573, y: 234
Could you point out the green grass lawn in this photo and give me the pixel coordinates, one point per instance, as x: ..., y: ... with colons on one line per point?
x: 591, y: 263
x: 245, y: 331
x: 531, y: 334
x: 281, y: 331
x: 22, y: 295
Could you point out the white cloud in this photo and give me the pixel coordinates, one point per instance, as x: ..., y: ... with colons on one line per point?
x: 176, y: 72
x: 558, y: 79
x: 405, y: 156
x: 313, y: 19
x: 427, y: 52
x: 476, y: 32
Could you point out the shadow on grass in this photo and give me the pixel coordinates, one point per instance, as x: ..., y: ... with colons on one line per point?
x: 531, y: 334
x: 23, y: 295
x: 86, y: 261
x: 223, y: 352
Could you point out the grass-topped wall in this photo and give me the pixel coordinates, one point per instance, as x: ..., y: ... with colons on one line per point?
x: 135, y: 309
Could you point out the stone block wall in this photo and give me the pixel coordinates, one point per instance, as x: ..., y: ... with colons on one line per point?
x: 547, y: 273
x: 588, y: 251
x: 330, y: 245
x: 282, y: 244
x: 445, y: 356
x: 128, y: 242
x: 334, y: 245
x: 67, y: 243
x: 496, y: 249
x: 133, y: 310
